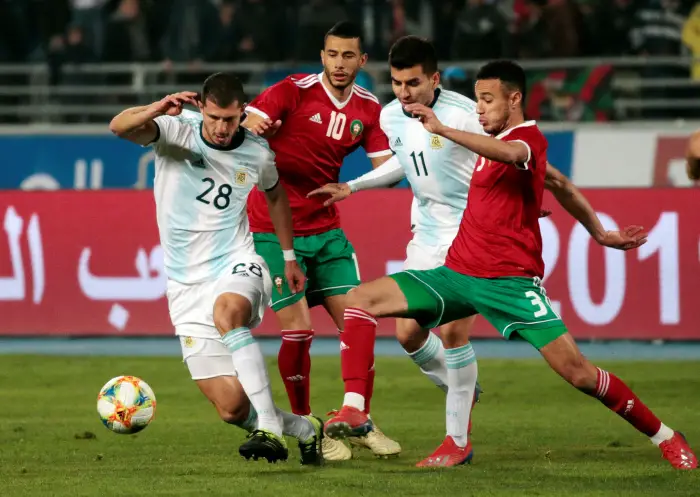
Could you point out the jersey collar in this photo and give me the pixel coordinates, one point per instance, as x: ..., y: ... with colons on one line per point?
x: 432, y: 104
x: 236, y: 141
x: 521, y: 125
x: 338, y: 104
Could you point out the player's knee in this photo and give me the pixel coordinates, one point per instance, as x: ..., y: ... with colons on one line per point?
x: 361, y: 298
x: 231, y: 311
x: 295, y: 317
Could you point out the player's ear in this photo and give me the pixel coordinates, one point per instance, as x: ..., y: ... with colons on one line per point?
x: 516, y: 99
x: 363, y: 59
x: 435, y: 79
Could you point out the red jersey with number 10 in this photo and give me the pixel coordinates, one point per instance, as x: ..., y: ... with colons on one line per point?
x: 500, y: 231
x: 316, y: 135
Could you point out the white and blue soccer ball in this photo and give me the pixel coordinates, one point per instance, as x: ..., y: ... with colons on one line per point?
x: 126, y: 404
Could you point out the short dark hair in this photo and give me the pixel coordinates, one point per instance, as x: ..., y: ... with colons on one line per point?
x: 223, y: 89
x: 410, y: 51
x: 508, y: 72
x: 346, y: 30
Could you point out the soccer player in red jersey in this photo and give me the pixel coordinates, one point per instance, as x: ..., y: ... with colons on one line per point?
x: 312, y: 123
x: 493, y: 268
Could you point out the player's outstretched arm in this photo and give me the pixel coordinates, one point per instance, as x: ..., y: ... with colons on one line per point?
x: 136, y: 123
x: 576, y: 204
x: 281, y: 216
x: 692, y: 165
x: 388, y: 174
x: 508, y: 152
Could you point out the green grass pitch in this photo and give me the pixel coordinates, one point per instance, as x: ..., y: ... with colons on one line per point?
x: 533, y: 435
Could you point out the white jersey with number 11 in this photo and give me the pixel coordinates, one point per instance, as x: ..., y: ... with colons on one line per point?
x: 438, y: 170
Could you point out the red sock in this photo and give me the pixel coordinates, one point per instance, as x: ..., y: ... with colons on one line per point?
x: 618, y: 397
x: 370, y: 387
x: 294, y: 363
x: 357, y: 350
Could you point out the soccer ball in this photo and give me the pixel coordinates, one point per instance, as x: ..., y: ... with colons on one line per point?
x: 126, y: 404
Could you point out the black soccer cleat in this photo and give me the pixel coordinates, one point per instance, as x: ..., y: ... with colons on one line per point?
x: 266, y: 445
x: 310, y: 449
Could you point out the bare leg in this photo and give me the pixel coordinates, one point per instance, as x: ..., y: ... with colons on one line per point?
x: 564, y: 356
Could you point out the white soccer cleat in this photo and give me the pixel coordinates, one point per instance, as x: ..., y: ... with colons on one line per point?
x: 378, y: 443
x: 335, y: 450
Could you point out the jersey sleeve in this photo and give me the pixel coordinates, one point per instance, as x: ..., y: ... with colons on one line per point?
x: 268, y: 177
x: 170, y: 130
x: 374, y: 139
x: 277, y: 101
x: 531, y: 138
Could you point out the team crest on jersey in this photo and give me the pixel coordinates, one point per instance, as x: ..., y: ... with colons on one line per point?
x: 435, y: 142
x: 356, y: 128
x: 278, y: 280
x: 189, y: 342
x: 240, y: 177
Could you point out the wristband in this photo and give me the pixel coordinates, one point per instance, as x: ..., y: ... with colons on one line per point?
x: 289, y: 255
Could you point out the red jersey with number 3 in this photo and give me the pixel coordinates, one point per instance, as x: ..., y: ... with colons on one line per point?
x: 316, y: 135
x: 500, y: 231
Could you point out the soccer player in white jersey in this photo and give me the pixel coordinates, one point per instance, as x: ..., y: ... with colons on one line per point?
x: 439, y: 172
x: 218, y: 287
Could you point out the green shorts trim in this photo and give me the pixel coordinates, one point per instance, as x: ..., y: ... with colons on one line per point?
x: 517, y: 307
x: 328, y: 260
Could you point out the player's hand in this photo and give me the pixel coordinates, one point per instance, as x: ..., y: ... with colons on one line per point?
x: 296, y: 279
x: 629, y: 238
x: 265, y: 128
x: 171, y: 105
x: 545, y: 213
x: 337, y: 192
x: 426, y: 115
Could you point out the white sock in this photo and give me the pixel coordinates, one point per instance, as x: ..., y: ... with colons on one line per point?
x: 354, y: 400
x: 252, y: 373
x: 431, y: 360
x: 461, y: 382
x: 292, y: 425
x: 664, y: 433
x: 296, y: 426
x: 251, y: 422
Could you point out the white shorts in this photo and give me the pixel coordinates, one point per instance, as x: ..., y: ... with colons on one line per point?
x: 206, y: 357
x: 192, y: 306
x: 424, y: 257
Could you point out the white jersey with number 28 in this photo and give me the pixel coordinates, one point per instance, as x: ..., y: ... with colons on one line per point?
x: 201, y: 192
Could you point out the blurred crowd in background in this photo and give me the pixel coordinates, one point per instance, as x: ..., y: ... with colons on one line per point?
x: 180, y: 39
x: 78, y: 31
